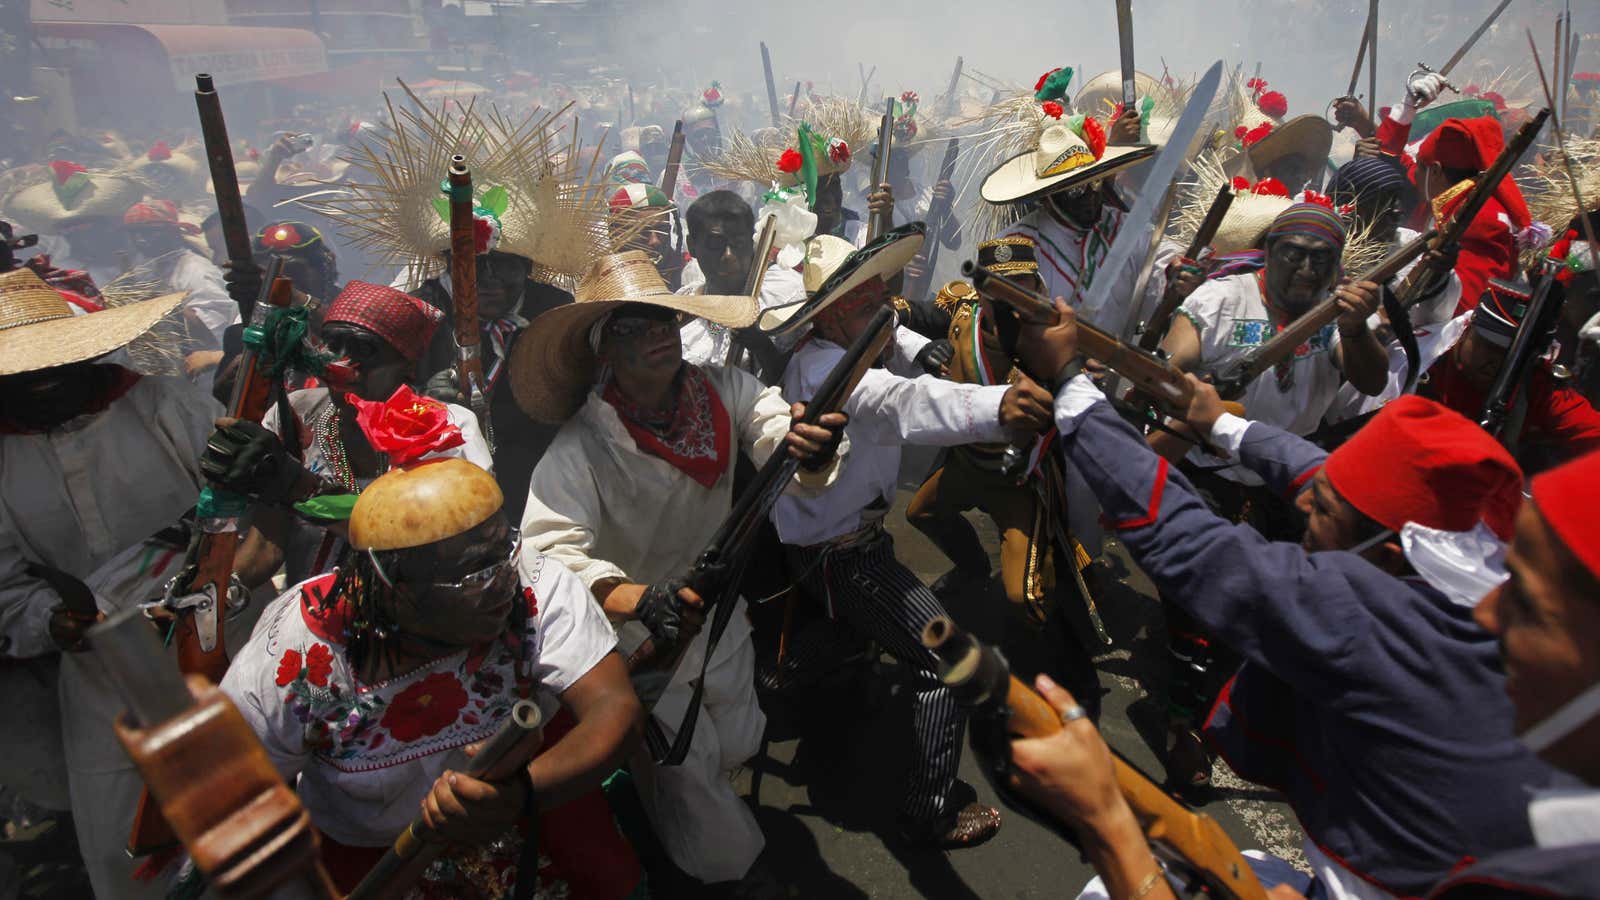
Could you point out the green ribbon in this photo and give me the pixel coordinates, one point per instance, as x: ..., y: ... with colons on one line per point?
x: 281, y: 341
x: 335, y: 507
x: 215, y: 503
x: 808, y: 164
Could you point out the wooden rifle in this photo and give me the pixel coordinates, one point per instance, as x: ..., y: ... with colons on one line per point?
x: 1544, y: 310
x: 751, y: 342
x: 1156, y: 328
x: 877, y: 224
x: 669, y: 175
x: 772, y: 86
x: 928, y: 257
x: 245, y: 829
x: 1233, y: 381
x: 464, y: 296
x: 652, y: 664
x: 517, y: 741
x: 225, y: 184
x: 200, y: 605
x: 1190, y: 843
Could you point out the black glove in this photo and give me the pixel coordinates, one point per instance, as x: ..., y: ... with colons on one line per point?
x: 444, y: 387
x: 662, y: 611
x: 248, y: 459
x: 244, y: 284
x: 934, y: 356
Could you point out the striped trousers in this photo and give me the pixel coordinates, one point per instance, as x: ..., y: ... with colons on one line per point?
x: 871, y: 592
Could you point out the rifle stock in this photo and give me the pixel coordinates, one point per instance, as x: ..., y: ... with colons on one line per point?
x: 669, y: 176
x: 224, y: 181
x: 517, y: 741
x: 1232, y: 383
x: 980, y: 678
x: 878, y: 223
x: 1156, y: 328
x: 464, y: 296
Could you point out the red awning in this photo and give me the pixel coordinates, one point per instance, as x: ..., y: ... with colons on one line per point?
x: 231, y: 54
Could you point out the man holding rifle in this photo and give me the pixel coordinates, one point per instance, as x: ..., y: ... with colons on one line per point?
x: 837, y: 538
x: 1368, y: 696
x: 633, y: 488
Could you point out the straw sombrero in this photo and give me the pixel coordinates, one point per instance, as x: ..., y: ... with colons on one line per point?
x: 833, y: 267
x: 49, y: 205
x: 553, y: 365
x: 38, y: 329
x: 1061, y: 160
x: 1308, y: 136
x: 1103, y: 93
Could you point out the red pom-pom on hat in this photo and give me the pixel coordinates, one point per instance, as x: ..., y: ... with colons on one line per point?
x: 1418, y: 461
x: 790, y: 162
x: 1256, y: 134
x: 1039, y: 85
x: 1053, y: 109
x: 1273, y: 104
x: 1270, y: 187
x: 159, y: 152
x: 1094, y: 134
x: 1241, y: 183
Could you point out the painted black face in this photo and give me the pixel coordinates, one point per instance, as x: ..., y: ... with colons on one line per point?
x: 47, y: 398
x: 1300, y: 269
x: 379, y: 367
x: 458, y: 591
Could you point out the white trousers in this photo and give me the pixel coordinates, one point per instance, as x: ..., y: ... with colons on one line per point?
x: 703, y: 825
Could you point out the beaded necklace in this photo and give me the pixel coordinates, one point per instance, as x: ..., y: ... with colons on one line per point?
x: 334, y: 452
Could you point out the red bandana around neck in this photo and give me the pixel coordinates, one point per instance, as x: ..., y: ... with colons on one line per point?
x: 696, y: 440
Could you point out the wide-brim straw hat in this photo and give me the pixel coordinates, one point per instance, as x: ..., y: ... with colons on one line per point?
x: 1019, y: 178
x: 833, y: 267
x: 1101, y: 94
x: 1308, y: 136
x: 1247, y: 221
x: 38, y: 329
x: 41, y: 209
x: 553, y: 365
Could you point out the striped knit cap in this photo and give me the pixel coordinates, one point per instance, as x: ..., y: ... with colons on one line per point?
x: 1309, y: 220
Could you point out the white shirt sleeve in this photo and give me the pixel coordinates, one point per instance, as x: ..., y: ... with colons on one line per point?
x: 208, y: 301
x: 475, y: 450
x: 907, y: 344
x: 251, y: 682
x: 573, y: 633
x: 1075, y: 398
x: 1227, y: 434
x: 887, y: 408
x: 563, y: 505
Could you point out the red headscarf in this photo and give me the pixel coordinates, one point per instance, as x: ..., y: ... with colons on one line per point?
x: 1473, y: 144
x: 406, y: 322
x: 1418, y: 461
x: 161, y: 213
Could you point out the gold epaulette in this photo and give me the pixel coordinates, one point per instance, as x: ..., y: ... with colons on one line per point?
x: 953, y: 295
x: 901, y: 304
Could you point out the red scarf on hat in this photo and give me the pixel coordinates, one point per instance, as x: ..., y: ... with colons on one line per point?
x: 694, y: 440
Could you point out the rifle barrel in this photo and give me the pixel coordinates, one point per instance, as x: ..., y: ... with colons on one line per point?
x: 140, y: 667
x: 224, y: 178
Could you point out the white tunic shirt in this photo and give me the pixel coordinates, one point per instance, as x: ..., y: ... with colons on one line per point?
x: 707, y: 343
x: 886, y: 410
x: 365, y: 754
x: 76, y: 497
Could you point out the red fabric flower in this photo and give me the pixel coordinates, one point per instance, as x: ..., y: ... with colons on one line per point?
x: 1273, y: 104
x: 910, y: 97
x: 1270, y: 187
x: 1039, y: 85
x: 1314, y: 197
x: 1240, y: 132
x: 1053, y: 109
x: 425, y: 708
x: 482, y: 234
x: 64, y: 170
x: 790, y: 162
x: 319, y: 664
x: 1256, y: 84
x: 1256, y: 133
x: 1094, y: 134
x: 288, y: 667
x: 159, y: 152
x: 839, y: 152
x: 406, y: 426
x: 1241, y: 183
x: 282, y: 236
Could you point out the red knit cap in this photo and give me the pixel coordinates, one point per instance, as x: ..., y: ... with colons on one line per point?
x: 160, y: 213
x: 1567, y: 497
x: 1473, y: 144
x: 406, y: 322
x: 1418, y: 461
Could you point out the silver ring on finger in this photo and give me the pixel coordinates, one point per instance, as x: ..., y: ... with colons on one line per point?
x: 1072, y: 714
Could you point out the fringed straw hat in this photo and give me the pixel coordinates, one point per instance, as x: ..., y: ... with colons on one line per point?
x: 553, y: 364
x: 70, y: 193
x: 38, y: 329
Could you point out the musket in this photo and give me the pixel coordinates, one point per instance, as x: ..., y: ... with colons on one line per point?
x: 464, y: 296
x: 669, y: 176
x: 1130, y: 87
x: 512, y: 746
x: 772, y: 86
x: 877, y: 224
x: 1233, y: 381
x: 1003, y: 708
x: 654, y: 665
x: 1544, y: 308
x: 225, y: 182
x: 750, y: 341
x: 245, y: 829
x: 794, y: 100
x: 928, y: 257
x: 1156, y: 328
x: 200, y: 606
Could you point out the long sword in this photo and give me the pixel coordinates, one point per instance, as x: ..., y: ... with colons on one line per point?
x: 1473, y: 39
x: 1130, y: 90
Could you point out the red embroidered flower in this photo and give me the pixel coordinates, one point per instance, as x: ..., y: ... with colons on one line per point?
x: 1273, y: 104
x: 64, y: 170
x: 1094, y: 134
x: 839, y: 151
x: 790, y: 162
x: 425, y: 708
x: 1039, y: 85
x: 288, y: 667
x: 1241, y: 183
x: 1053, y: 109
x: 1270, y: 187
x: 1257, y: 133
x: 406, y: 426
x: 533, y: 602
x: 319, y: 664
